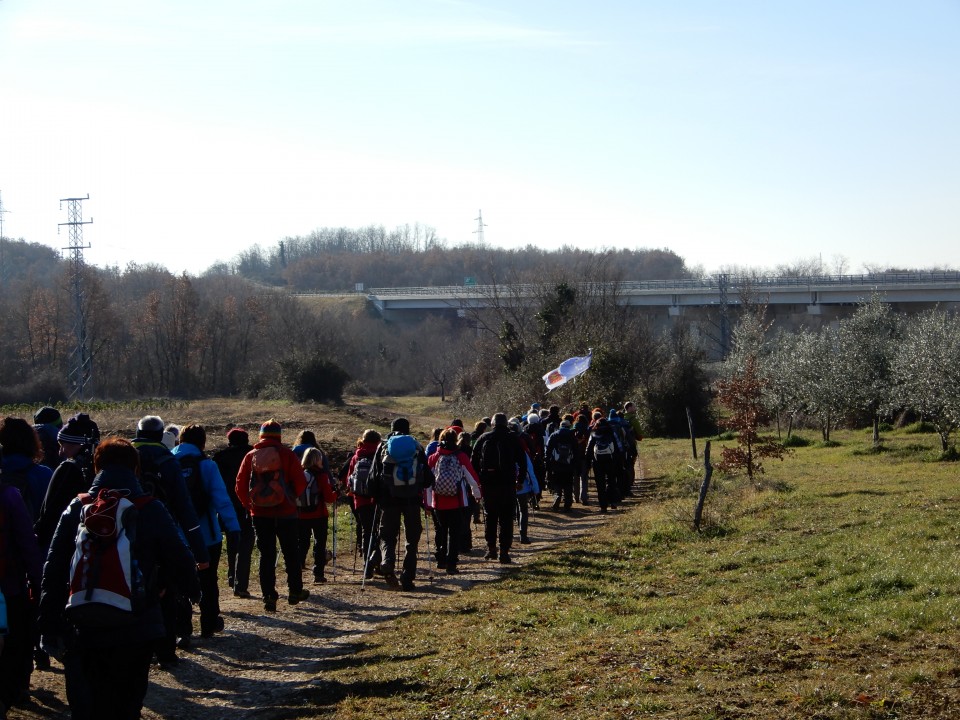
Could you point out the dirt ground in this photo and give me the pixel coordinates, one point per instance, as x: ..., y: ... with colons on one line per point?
x: 257, y: 665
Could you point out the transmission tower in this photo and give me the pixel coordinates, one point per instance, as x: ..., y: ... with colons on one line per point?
x: 3, y: 265
x: 480, y: 226
x: 80, y: 361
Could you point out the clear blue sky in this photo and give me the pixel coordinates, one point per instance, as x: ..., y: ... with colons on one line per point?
x: 747, y: 133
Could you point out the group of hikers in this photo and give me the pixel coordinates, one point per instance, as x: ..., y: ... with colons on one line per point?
x: 106, y: 545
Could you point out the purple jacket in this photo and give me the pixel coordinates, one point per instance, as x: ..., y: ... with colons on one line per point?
x: 23, y: 559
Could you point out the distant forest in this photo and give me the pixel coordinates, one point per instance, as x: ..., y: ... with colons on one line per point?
x: 237, y: 329
x: 337, y: 259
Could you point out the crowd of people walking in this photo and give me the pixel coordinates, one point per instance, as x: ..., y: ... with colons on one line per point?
x: 108, y: 545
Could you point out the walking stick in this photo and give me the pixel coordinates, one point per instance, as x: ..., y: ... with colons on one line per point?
x: 426, y: 525
x: 334, y: 559
x: 353, y: 533
x: 366, y: 561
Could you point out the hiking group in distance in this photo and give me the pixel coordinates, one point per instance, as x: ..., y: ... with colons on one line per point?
x: 107, y: 545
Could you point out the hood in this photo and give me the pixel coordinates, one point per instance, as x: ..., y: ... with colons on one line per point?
x: 117, y: 477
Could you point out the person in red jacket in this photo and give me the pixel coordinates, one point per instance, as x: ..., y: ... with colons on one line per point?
x: 455, y: 481
x: 269, y: 482
x: 314, y: 516
x: 364, y: 506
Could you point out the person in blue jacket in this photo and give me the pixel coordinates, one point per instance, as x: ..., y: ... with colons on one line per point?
x: 106, y: 665
x: 216, y: 504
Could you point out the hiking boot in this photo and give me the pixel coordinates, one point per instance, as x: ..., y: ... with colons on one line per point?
x: 368, y: 573
x: 524, y: 540
x: 441, y: 564
x: 556, y: 504
x: 505, y: 559
x: 452, y: 570
x: 296, y: 597
x: 407, y: 585
x: 319, y: 580
x: 391, y: 579
x: 270, y: 603
x: 41, y: 661
x: 214, y: 627
x: 245, y: 594
x: 491, y: 554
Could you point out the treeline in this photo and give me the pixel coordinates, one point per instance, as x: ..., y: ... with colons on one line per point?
x: 337, y: 259
x: 152, y: 333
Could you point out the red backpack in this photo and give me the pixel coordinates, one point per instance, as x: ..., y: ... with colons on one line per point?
x: 105, y: 579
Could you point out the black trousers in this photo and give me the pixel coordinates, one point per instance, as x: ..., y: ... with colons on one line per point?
x: 210, y: 599
x: 501, y: 506
x: 239, y: 554
x: 269, y: 531
x: 107, y: 683
x: 390, y: 533
x: 315, y: 529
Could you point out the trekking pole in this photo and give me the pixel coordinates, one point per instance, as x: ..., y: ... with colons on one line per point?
x: 353, y: 534
x: 334, y: 558
x: 426, y: 525
x: 366, y: 560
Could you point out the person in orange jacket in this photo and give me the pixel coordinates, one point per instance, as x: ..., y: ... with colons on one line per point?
x: 269, y: 482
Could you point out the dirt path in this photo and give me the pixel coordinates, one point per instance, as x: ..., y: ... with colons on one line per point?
x: 260, y: 661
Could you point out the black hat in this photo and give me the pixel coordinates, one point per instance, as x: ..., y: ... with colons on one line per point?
x: 401, y: 425
x: 48, y: 416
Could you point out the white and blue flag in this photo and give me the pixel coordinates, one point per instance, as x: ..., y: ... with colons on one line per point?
x: 568, y: 370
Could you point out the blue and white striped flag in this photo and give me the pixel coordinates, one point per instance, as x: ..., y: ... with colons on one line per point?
x: 568, y: 370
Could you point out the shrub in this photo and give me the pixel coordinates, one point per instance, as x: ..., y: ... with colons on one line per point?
x: 918, y: 428
x: 312, y: 378
x: 44, y: 389
x: 795, y: 441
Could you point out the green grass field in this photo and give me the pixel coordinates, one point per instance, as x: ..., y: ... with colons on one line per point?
x: 832, y: 590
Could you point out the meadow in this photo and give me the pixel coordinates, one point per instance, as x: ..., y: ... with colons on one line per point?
x: 829, y: 590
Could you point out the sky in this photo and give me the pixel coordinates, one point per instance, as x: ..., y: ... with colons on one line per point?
x: 742, y: 133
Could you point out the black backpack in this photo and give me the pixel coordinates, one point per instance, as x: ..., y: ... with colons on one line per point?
x: 497, y: 455
x: 193, y: 478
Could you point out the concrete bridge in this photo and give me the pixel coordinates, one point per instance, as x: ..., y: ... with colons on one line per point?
x: 820, y: 295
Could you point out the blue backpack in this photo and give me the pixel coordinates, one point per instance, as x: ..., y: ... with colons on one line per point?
x: 401, y: 473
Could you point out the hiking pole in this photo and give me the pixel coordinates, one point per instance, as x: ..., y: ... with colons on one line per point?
x: 366, y: 560
x: 334, y: 558
x: 426, y: 525
x: 353, y: 533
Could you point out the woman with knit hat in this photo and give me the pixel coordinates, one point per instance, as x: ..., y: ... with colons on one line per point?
x: 268, y: 483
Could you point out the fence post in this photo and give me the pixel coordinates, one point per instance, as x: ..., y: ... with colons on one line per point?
x: 708, y: 472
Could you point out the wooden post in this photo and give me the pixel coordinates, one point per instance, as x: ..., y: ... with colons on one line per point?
x: 693, y: 437
x: 708, y: 472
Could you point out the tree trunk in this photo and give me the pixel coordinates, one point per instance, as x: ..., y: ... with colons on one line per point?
x: 876, y: 430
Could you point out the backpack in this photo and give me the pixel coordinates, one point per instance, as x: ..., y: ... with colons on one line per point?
x: 106, y: 583
x: 497, y: 460
x: 604, y: 446
x: 359, y: 480
x: 150, y: 478
x: 448, y: 476
x: 193, y: 478
x: 401, y: 473
x: 268, y: 486
x: 562, y: 455
x: 310, y: 498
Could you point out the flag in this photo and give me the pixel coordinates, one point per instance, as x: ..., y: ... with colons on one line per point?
x: 568, y: 370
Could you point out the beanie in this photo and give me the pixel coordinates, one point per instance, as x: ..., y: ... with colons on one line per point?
x: 401, y: 425
x: 48, y: 416
x: 500, y: 419
x: 79, y: 430
x: 238, y: 436
x: 271, y: 430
